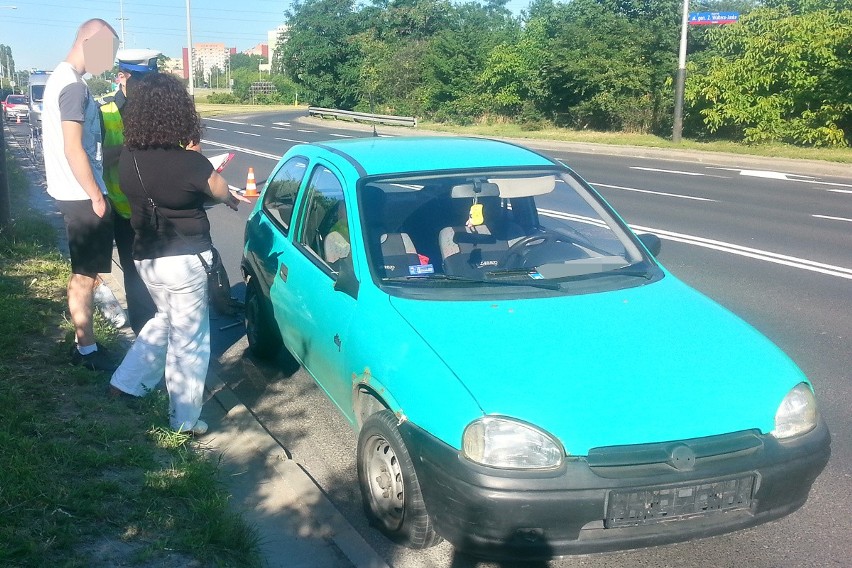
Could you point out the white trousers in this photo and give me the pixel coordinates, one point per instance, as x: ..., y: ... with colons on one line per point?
x: 176, y: 341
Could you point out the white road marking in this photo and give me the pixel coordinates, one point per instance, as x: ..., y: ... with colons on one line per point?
x: 227, y: 121
x: 291, y: 140
x: 666, y: 171
x: 832, y: 218
x: 652, y: 192
x: 306, y: 131
x: 730, y: 248
x: 246, y: 133
x: 279, y: 128
x: 282, y: 123
x: 840, y: 190
x: 258, y: 125
x: 214, y: 128
x: 241, y: 149
x: 785, y: 177
x: 340, y: 135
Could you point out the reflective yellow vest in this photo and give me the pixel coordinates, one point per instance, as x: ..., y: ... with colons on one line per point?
x: 114, y: 136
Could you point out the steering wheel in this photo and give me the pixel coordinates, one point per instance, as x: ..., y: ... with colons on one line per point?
x: 524, y: 244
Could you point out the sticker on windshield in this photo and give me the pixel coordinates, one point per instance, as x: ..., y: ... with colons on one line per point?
x: 421, y: 269
x: 536, y: 275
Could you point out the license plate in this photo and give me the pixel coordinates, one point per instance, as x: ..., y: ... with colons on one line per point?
x: 657, y: 504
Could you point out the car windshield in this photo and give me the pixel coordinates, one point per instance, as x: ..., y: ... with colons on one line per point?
x: 543, y: 229
x: 19, y: 100
x: 37, y: 93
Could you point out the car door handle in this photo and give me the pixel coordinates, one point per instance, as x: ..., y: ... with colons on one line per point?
x: 283, y: 271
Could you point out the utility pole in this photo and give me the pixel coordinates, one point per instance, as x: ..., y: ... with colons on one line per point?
x: 121, y: 19
x: 677, y: 130
x: 189, y: 52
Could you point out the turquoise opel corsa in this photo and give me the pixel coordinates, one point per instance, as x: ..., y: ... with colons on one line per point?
x: 526, y: 380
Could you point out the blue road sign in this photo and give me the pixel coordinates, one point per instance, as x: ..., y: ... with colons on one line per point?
x: 710, y: 18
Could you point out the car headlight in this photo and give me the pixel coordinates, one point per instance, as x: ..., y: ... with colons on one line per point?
x: 797, y: 413
x: 506, y: 443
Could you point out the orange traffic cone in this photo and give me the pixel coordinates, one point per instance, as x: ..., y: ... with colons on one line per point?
x: 251, y: 186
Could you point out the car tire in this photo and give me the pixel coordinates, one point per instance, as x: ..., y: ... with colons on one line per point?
x: 389, y: 486
x: 263, y: 336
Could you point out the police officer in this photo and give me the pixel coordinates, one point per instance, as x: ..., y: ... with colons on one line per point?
x: 132, y: 64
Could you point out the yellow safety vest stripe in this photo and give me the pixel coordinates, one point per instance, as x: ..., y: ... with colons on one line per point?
x: 114, y: 136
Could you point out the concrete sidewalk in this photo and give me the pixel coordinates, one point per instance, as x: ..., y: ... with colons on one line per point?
x: 297, y: 525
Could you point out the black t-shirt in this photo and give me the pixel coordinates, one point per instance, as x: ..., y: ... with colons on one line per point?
x: 176, y: 180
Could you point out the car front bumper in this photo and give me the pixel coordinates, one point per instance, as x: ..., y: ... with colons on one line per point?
x: 603, y: 503
x: 14, y: 113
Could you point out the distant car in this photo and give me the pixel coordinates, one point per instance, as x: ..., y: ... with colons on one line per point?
x: 37, y: 82
x: 526, y: 379
x: 16, y: 106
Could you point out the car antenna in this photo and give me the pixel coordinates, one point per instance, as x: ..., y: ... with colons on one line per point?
x: 372, y: 111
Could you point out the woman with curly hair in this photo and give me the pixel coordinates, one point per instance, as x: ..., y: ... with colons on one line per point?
x: 167, y: 184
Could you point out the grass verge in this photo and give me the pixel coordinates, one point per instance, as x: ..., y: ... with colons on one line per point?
x: 87, y: 480
x: 512, y: 130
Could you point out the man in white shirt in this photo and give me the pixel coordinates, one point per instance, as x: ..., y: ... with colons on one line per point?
x: 74, y: 170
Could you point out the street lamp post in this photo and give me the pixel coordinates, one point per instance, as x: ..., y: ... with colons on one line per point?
x: 681, y: 77
x: 189, y: 52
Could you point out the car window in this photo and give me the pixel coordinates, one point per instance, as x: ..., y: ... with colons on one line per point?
x: 281, y: 190
x: 16, y: 100
x: 519, y: 229
x: 325, y: 229
x: 37, y: 93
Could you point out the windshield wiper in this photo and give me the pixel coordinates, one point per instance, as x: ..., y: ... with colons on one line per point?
x: 466, y: 280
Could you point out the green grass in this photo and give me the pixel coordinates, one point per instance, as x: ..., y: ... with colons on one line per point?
x: 511, y: 130
x: 86, y: 479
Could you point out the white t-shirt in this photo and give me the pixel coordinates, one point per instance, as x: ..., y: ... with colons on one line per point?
x: 67, y: 97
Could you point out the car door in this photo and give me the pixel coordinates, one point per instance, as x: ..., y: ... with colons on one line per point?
x: 271, y: 239
x: 319, y: 315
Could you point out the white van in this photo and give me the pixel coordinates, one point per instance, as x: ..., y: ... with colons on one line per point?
x: 38, y: 79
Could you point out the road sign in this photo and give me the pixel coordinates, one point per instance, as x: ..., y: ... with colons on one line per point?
x: 710, y: 18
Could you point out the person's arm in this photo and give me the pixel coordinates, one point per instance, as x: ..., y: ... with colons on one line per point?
x: 72, y: 136
x: 218, y: 189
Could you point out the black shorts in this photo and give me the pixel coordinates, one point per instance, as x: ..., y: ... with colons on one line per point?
x: 89, y: 237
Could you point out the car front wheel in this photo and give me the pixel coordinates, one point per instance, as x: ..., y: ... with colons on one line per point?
x: 263, y: 337
x: 389, y: 486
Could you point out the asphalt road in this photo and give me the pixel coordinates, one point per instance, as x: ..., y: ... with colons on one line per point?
x: 772, y: 244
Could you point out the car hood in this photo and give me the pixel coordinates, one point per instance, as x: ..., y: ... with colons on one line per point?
x: 653, y: 363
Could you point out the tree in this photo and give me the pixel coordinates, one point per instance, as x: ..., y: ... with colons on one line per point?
x: 776, y: 76
x: 319, y: 54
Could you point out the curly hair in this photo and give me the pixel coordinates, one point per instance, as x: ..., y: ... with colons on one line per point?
x: 160, y: 114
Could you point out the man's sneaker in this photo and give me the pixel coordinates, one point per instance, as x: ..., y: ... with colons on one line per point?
x: 96, y: 361
x: 108, y: 305
x: 199, y: 429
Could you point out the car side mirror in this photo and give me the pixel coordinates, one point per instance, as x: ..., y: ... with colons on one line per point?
x: 346, y: 281
x: 651, y: 242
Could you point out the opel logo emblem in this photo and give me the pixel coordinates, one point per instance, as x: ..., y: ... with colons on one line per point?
x: 682, y: 458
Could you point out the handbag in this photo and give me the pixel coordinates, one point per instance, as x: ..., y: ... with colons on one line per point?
x: 218, y: 284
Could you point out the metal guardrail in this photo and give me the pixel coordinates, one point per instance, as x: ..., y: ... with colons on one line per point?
x: 363, y: 116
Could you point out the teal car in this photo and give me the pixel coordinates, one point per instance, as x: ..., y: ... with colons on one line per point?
x: 526, y: 380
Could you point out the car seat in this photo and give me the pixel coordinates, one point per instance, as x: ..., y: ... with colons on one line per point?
x: 392, y: 251
x: 467, y: 249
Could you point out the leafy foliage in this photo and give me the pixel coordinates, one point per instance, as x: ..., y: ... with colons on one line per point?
x: 588, y: 64
x: 778, y: 77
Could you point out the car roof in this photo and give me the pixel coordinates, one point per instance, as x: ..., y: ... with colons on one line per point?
x: 377, y: 156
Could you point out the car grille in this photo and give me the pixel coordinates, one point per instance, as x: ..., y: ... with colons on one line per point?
x: 658, y: 504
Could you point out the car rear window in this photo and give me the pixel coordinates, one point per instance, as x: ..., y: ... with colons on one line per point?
x: 19, y: 100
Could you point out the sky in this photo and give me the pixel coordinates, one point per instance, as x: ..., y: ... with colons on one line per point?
x: 40, y: 32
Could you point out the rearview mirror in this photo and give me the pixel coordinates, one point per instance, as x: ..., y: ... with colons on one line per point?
x: 651, y: 242
x: 346, y: 281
